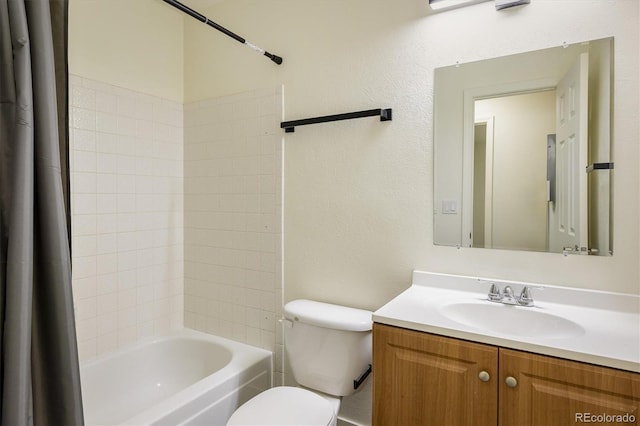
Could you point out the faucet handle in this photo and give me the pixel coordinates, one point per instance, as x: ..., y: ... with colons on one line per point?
x: 494, y: 293
x: 525, y: 298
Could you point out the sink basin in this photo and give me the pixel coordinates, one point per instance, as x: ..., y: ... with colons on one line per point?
x: 511, y: 320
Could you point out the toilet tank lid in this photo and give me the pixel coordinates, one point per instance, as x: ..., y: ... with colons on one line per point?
x: 328, y: 315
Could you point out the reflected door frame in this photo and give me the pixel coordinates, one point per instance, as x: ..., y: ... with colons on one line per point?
x: 470, y: 96
x: 488, y: 184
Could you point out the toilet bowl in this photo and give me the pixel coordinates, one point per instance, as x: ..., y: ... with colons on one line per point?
x: 286, y: 406
x: 329, y: 349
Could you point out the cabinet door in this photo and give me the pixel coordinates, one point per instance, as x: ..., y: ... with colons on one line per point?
x: 550, y: 391
x: 424, y: 379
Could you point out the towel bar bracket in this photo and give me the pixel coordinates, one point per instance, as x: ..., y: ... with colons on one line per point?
x: 357, y: 382
x: 599, y: 166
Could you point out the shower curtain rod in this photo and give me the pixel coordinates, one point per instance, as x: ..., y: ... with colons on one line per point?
x: 275, y: 58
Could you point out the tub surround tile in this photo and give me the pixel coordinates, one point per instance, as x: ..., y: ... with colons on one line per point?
x: 127, y: 188
x: 233, y: 181
x: 176, y: 217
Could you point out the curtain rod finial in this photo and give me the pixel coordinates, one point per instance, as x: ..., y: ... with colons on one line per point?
x: 275, y: 58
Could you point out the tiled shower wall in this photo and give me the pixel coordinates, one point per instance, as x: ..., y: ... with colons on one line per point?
x: 233, y: 218
x: 126, y: 152
x: 158, y: 235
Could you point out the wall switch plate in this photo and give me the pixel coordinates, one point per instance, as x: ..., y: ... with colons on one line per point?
x: 449, y: 207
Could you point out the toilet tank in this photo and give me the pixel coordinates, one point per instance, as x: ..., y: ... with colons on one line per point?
x: 328, y: 346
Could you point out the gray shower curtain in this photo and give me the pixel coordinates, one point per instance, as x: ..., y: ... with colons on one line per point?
x: 39, y: 376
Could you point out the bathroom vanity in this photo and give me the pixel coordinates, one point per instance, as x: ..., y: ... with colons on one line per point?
x: 445, y: 355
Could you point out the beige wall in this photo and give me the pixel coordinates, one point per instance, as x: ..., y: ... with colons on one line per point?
x: 134, y: 44
x: 358, y: 195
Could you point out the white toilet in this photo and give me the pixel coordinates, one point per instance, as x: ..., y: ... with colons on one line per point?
x: 329, y: 350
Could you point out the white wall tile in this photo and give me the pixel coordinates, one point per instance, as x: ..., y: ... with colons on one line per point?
x: 105, y: 102
x: 83, y: 224
x: 107, y: 342
x: 135, y: 238
x: 84, y: 140
x: 104, y: 223
x: 107, y: 143
x: 83, y: 119
x: 83, y: 97
x: 106, y: 163
x: 84, y: 204
x: 106, y: 122
x: 232, y: 215
x: 115, y: 219
x: 84, y: 161
x: 106, y: 183
x: 106, y: 263
x: 85, y: 244
x: 107, y: 283
x: 106, y: 203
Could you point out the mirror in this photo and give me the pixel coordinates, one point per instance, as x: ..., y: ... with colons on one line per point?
x: 522, y: 151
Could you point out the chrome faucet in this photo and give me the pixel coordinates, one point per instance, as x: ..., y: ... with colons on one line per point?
x: 507, y: 297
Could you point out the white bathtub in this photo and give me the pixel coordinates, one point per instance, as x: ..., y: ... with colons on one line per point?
x: 185, y: 377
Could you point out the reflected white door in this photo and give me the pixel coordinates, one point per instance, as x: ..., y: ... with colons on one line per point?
x: 568, y: 214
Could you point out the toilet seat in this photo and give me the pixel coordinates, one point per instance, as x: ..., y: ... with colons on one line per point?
x: 285, y: 405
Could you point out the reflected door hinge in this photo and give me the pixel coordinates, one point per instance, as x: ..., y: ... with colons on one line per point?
x: 579, y: 250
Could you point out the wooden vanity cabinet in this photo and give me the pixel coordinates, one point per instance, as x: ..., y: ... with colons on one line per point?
x: 423, y: 379
x: 549, y: 391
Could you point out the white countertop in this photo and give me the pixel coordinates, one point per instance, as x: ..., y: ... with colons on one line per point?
x: 610, y: 321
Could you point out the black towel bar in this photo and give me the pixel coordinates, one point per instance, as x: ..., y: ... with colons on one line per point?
x: 384, y: 113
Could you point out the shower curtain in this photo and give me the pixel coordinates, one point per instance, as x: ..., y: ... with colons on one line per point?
x: 39, y: 376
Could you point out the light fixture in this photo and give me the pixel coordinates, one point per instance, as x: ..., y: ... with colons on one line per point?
x: 439, y: 5
x: 503, y: 4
